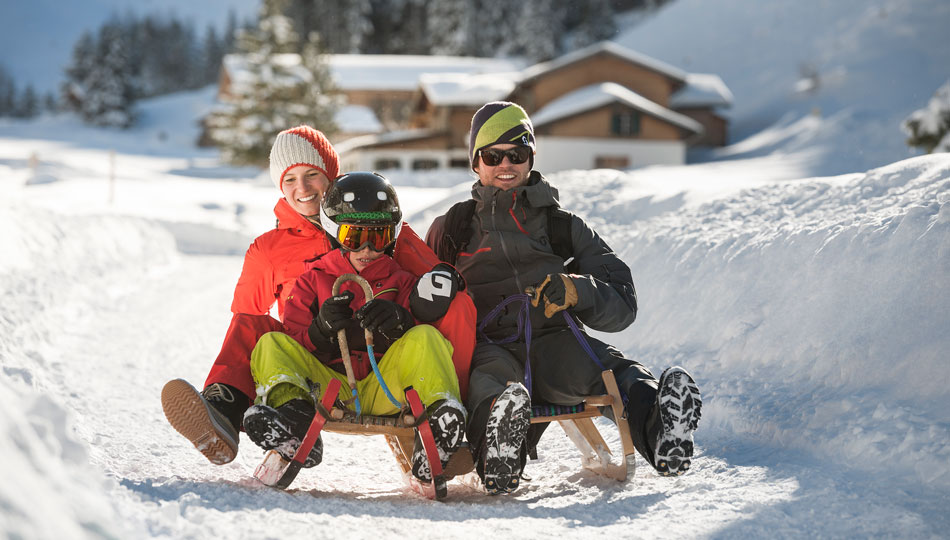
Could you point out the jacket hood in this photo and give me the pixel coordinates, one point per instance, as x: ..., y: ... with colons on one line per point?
x: 538, y: 192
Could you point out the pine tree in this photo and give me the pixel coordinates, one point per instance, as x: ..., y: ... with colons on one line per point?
x: 108, y: 93
x: 596, y: 23
x: 83, y: 60
x: 28, y: 105
x: 929, y: 128
x: 537, y: 37
x: 448, y: 27
x: 285, y: 89
x: 7, y: 93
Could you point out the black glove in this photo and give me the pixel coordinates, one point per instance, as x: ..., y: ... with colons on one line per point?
x: 435, y: 290
x: 334, y: 315
x: 388, y: 318
x: 558, y: 291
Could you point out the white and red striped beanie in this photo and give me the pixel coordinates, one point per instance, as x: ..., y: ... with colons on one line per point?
x: 302, y: 145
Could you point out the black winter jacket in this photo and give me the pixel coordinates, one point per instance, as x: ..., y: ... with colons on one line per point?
x: 510, y: 250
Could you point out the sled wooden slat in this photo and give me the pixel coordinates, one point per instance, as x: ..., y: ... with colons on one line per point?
x: 580, y: 428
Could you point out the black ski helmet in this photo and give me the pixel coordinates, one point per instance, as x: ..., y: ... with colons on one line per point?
x: 360, y: 198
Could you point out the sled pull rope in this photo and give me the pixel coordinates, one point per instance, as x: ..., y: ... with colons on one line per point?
x: 524, y: 324
x: 368, y: 335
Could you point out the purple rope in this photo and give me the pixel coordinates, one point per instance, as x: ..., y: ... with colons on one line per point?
x: 524, y: 323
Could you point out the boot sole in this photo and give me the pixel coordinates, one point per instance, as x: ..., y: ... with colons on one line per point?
x: 278, y: 436
x: 505, y: 433
x: 680, y: 408
x: 198, y: 422
x: 448, y: 434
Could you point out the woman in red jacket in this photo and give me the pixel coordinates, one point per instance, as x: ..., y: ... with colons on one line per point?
x: 303, y: 164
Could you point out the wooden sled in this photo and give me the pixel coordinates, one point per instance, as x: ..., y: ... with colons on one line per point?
x: 579, y: 426
x: 400, y: 430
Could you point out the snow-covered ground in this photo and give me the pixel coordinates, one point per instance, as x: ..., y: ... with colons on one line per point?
x: 801, y: 274
x: 812, y: 311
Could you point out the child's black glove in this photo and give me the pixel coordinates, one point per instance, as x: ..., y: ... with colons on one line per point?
x: 334, y: 315
x: 388, y: 318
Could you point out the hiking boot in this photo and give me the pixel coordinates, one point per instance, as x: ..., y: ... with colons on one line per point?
x: 504, y: 450
x: 283, y: 429
x: 679, y: 407
x: 205, y: 419
x: 447, y: 420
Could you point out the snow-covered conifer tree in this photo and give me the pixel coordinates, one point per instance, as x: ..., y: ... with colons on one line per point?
x: 929, y: 128
x: 448, y: 27
x: 596, y: 23
x: 99, y: 83
x: 540, y: 29
x: 280, y: 89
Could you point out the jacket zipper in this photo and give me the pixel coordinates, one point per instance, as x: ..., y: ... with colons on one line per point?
x: 504, y: 248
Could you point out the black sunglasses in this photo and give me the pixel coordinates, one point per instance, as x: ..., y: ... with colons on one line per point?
x: 516, y: 155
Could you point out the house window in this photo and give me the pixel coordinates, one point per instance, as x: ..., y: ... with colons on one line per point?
x: 386, y: 163
x: 424, y: 164
x: 458, y: 163
x: 625, y: 123
x: 611, y: 162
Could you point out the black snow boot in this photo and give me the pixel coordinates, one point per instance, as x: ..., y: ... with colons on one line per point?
x: 504, y: 450
x: 447, y: 420
x: 679, y: 406
x: 210, y: 420
x: 283, y: 429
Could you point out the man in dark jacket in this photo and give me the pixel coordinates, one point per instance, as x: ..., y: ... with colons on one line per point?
x: 505, y: 249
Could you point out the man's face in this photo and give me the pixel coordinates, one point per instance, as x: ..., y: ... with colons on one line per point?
x: 504, y: 175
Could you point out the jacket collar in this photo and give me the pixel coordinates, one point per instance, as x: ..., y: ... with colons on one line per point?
x: 538, y: 192
x: 336, y: 263
x: 288, y: 218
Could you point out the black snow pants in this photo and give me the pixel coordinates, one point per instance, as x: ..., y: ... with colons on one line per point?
x: 562, y: 373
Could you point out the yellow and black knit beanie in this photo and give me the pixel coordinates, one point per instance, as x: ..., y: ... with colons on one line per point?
x: 500, y: 122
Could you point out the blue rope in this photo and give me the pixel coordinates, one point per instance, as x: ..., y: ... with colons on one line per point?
x: 379, y: 377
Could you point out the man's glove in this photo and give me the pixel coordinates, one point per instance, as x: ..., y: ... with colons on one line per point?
x: 334, y: 315
x: 558, y: 291
x: 388, y: 318
x: 435, y: 290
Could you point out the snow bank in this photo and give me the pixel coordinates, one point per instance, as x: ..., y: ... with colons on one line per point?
x: 813, y: 312
x: 56, y: 270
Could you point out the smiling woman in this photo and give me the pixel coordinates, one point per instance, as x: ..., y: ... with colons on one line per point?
x: 302, y: 166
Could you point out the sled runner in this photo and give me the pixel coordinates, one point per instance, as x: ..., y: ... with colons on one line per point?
x: 400, y: 430
x: 577, y: 423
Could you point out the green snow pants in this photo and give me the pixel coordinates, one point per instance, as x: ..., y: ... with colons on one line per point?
x: 421, y: 358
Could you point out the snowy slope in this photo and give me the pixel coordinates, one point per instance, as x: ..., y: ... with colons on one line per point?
x: 872, y: 63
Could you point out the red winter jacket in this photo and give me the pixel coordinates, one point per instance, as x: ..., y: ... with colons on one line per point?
x: 388, y: 281
x: 275, y: 259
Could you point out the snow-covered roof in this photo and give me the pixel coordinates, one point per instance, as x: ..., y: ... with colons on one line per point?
x: 467, y: 89
x: 600, y: 94
x: 357, y: 119
x: 609, y: 47
x: 702, y: 90
x: 384, y: 138
x: 402, y: 72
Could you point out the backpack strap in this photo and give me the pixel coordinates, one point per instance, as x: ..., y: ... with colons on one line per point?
x: 559, y: 232
x: 457, y: 231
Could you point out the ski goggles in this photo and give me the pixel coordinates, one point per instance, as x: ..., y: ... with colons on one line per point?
x: 354, y: 237
x: 516, y: 155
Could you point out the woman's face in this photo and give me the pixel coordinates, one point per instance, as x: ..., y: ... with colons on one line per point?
x: 362, y: 258
x: 303, y: 186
